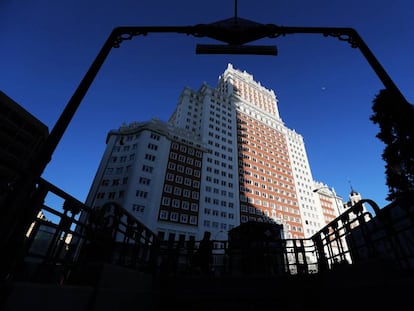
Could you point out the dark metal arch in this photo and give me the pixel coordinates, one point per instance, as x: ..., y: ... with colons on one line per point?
x: 235, y: 32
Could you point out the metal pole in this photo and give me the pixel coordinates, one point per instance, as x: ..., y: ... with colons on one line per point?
x: 22, y: 204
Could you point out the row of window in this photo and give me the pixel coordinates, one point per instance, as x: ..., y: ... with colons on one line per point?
x: 243, y: 173
x: 219, y: 129
x: 223, y: 147
x: 214, y: 212
x: 115, y: 182
x: 266, y: 195
x: 270, y: 122
x: 125, y: 148
x: 122, y: 159
x: 177, y: 217
x: 180, y: 168
x: 180, y: 191
x: 216, y: 201
x: 186, y: 180
x: 223, y: 117
x: 259, y: 147
x: 110, y: 195
x: 244, y: 156
x: 217, y: 225
x: 269, y: 135
x: 218, y: 109
x: 182, y: 158
x: 222, y: 192
x: 219, y: 163
x: 216, y: 171
x: 261, y: 170
x: 178, y: 203
x: 184, y: 149
x: 254, y: 210
x: 265, y: 186
x: 259, y: 202
x: 273, y: 149
x: 218, y: 181
x: 223, y: 139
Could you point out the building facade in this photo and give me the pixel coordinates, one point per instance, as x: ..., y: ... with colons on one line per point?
x: 224, y: 157
x: 21, y: 138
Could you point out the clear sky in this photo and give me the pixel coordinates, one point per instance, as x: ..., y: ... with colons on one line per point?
x: 324, y: 87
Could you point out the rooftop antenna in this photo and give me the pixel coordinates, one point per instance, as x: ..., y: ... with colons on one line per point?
x: 352, y: 189
x: 235, y: 9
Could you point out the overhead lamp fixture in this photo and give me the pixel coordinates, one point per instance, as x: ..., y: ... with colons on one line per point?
x: 236, y: 49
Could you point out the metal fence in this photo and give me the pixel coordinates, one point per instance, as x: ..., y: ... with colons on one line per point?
x: 63, y: 242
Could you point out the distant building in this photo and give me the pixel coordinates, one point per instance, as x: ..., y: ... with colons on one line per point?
x: 331, y: 203
x: 21, y: 137
x: 225, y: 157
x: 354, y: 198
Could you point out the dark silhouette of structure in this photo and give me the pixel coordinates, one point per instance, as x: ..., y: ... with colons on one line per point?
x: 204, y: 254
x: 380, y: 246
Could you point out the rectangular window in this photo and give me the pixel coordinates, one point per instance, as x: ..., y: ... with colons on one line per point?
x: 174, y: 216
x: 176, y: 203
x: 152, y: 146
x: 141, y: 194
x: 184, y: 218
x: 138, y: 208
x: 163, y: 215
x: 144, y: 181
x: 166, y: 201
x: 147, y: 168
x: 185, y: 205
x: 177, y: 191
x: 194, y: 207
x: 149, y: 157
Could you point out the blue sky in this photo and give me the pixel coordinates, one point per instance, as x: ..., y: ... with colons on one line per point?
x: 325, y: 88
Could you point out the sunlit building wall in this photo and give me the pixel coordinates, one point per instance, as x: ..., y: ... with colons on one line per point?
x: 224, y: 157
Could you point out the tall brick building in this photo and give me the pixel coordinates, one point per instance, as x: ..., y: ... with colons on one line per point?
x: 225, y: 157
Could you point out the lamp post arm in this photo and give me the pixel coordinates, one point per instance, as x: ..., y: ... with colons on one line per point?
x: 229, y: 31
x: 116, y: 37
x: 73, y: 104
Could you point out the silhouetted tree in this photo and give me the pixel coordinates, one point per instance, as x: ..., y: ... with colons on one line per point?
x: 395, y: 117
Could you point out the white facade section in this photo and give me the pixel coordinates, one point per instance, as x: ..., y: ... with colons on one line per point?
x: 210, y: 114
x: 310, y: 208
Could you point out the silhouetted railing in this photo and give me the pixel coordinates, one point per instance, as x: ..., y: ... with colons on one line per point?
x: 62, y: 245
x: 61, y: 241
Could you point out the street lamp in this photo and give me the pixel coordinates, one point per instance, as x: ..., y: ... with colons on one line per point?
x: 333, y: 195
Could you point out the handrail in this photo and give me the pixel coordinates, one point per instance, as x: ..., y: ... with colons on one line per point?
x: 67, y: 241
